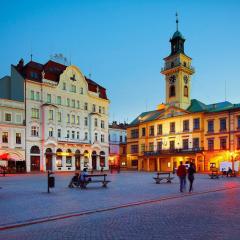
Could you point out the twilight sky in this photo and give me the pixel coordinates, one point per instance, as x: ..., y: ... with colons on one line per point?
x: 122, y: 44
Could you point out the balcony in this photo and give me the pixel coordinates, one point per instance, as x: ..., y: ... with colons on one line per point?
x: 178, y: 65
x: 173, y: 151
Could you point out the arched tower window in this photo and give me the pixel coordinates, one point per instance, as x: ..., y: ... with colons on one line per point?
x: 172, y: 92
x: 185, y: 91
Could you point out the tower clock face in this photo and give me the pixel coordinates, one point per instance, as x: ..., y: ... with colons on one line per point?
x: 172, y: 79
x: 185, y: 78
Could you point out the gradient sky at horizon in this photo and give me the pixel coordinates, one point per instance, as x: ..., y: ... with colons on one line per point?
x: 122, y: 44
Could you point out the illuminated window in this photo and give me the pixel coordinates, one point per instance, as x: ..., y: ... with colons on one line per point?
x: 34, y: 131
x: 5, y: 137
x: 50, y: 132
x: 18, y: 138
x: 223, y: 143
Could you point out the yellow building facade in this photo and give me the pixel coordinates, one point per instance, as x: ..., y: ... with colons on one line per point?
x: 183, y: 129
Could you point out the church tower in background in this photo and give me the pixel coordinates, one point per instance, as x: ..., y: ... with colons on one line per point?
x: 178, y: 71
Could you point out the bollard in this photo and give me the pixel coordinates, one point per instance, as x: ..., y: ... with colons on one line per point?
x: 51, y: 181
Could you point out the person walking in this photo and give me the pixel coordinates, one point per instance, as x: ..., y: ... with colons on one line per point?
x: 191, y: 171
x: 181, y: 172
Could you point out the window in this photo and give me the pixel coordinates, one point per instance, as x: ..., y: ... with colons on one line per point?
x: 172, y: 127
x: 78, y: 136
x: 223, y: 143
x: 100, y: 109
x: 18, y: 138
x: 102, y: 124
x: 143, y: 132
x: 151, y: 146
x: 94, y: 108
x: 159, y: 146
x: 134, y: 148
x: 142, y: 147
x: 86, y: 106
x: 185, y: 125
x: 37, y: 96
x: 78, y: 120
x: 210, y: 126
x: 195, y: 142
x: 134, y: 163
x: 103, y: 110
x: 85, y: 136
x: 73, y: 119
x: 95, y: 122
x: 210, y: 144
x: 35, y: 113
x: 81, y: 90
x: 238, y: 122
x: 34, y: 131
x: 223, y: 124
x: 102, y: 138
x: 32, y: 95
x: 5, y: 137
x: 73, y: 134
x: 151, y: 131
x: 96, y: 137
x: 73, y: 103
x: 59, y: 133
x: 59, y: 116
x: 49, y: 98
x: 172, y: 145
x: 238, y: 142
x: 73, y: 88
x: 134, y: 133
x: 85, y: 121
x: 172, y: 91
x: 159, y: 129
x: 68, y: 134
x: 68, y: 118
x: 50, y: 115
x: 185, y: 143
x: 34, y: 75
x: 50, y: 132
x: 185, y: 91
x: 68, y: 102
x: 64, y: 86
x: 121, y: 139
x: 196, y: 123
x: 8, y: 117
x: 59, y: 100
x: 78, y: 104
x: 18, y: 118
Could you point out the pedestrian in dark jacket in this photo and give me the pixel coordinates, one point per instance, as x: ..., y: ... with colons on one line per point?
x: 182, y: 172
x: 191, y: 171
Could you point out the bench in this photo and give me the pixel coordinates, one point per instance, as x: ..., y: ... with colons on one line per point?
x: 163, y: 176
x: 95, y: 178
x: 214, y: 175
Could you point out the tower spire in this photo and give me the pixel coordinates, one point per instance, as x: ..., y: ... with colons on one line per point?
x: 177, y: 20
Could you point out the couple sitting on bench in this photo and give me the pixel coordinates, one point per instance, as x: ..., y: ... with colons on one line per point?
x: 78, y: 180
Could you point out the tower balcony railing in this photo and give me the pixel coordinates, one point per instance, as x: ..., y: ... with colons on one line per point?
x: 178, y: 65
x: 173, y: 151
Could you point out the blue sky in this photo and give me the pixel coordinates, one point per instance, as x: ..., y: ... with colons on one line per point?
x: 122, y: 44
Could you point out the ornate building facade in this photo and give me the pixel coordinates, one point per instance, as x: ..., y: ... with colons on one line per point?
x: 66, y: 116
x: 183, y: 129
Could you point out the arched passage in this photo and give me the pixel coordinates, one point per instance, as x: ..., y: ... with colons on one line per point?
x: 35, y: 158
x: 48, y: 155
x: 77, y: 159
x: 59, y: 157
x: 102, y: 159
x: 94, y: 160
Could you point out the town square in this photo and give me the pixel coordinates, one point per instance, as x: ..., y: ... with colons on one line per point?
x: 119, y: 120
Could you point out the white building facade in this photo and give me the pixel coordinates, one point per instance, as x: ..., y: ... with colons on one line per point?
x: 66, y: 118
x: 12, y: 135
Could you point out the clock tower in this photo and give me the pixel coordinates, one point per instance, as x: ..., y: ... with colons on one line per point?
x: 178, y: 71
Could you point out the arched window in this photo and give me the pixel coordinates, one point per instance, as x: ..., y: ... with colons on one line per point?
x: 35, y: 150
x: 69, y: 158
x: 185, y: 91
x: 172, y: 91
x: 102, y: 159
x: 59, y: 157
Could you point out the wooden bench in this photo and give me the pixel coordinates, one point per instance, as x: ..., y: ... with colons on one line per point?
x: 95, y: 178
x: 163, y: 176
x: 214, y: 174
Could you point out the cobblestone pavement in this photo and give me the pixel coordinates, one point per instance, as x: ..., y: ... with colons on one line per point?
x: 211, y: 216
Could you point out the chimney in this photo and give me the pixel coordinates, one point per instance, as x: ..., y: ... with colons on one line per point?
x: 20, y: 64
